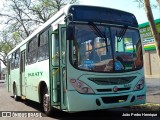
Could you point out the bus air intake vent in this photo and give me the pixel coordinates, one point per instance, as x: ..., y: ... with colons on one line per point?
x: 112, y: 81
x: 115, y: 99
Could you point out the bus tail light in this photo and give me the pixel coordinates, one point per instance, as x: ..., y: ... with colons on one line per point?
x: 81, y: 87
x: 140, y: 85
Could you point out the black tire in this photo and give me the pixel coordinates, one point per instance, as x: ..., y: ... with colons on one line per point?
x: 15, y: 93
x: 46, y: 103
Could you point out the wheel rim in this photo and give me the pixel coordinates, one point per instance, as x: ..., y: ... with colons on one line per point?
x: 46, y: 102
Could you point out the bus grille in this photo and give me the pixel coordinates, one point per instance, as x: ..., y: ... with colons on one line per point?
x: 115, y: 99
x: 112, y: 81
x: 110, y: 90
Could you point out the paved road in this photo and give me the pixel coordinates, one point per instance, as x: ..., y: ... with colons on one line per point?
x: 153, y: 90
x: 9, y: 104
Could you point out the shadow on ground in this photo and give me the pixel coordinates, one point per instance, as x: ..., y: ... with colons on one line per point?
x: 95, y: 115
x: 99, y: 114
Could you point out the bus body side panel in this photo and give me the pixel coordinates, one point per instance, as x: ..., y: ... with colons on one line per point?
x: 36, y: 73
x: 15, y: 79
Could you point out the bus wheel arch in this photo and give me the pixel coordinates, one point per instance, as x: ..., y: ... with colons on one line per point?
x: 42, y: 85
x: 46, y: 102
x: 44, y: 98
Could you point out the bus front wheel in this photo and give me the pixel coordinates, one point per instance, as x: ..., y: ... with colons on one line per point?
x: 46, y: 103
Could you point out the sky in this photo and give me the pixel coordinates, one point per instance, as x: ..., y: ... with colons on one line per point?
x: 126, y: 5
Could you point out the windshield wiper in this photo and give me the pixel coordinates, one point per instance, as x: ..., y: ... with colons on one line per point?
x: 121, y: 33
x: 96, y: 29
x: 98, y: 32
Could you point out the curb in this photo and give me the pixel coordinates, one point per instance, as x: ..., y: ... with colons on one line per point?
x: 152, y: 76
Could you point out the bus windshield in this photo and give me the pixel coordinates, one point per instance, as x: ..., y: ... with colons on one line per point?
x: 103, y: 48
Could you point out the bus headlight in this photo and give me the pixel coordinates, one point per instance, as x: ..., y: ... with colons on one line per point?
x: 140, y: 85
x: 81, y: 87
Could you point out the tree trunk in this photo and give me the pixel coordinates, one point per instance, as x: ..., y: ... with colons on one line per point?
x: 152, y: 26
x: 158, y: 2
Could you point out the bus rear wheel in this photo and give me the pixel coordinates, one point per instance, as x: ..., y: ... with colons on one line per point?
x: 46, y: 103
x: 15, y: 92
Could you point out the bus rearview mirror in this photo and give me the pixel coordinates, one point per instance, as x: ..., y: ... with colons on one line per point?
x: 70, y: 32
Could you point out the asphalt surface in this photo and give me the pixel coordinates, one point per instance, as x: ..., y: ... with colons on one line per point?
x: 153, y: 90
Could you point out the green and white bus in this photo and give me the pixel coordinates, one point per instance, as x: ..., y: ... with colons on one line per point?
x: 83, y: 58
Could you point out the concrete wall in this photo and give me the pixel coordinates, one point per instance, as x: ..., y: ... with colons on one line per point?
x: 151, y: 65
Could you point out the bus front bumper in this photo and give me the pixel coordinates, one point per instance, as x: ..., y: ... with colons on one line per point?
x: 82, y: 102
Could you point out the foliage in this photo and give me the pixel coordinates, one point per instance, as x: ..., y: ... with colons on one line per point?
x: 20, y: 17
x: 7, y: 43
x: 147, y: 5
x: 141, y: 4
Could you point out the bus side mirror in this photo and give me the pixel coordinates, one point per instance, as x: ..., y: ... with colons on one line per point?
x: 70, y: 32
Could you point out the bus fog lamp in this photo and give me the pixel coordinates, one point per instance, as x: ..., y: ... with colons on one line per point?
x: 141, y: 97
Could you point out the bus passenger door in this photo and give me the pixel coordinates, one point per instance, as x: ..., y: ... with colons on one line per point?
x: 62, y: 65
x: 22, y: 74
x: 57, y: 44
x: 54, y: 68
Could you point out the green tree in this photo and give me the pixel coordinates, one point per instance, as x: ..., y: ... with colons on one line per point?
x: 152, y: 24
x: 17, y: 17
x: 7, y: 43
x: 146, y: 4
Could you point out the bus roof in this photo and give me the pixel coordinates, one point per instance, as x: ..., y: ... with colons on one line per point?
x: 55, y: 17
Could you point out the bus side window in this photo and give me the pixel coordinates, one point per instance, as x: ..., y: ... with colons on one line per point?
x: 75, y: 54
x: 43, y: 52
x: 32, y: 51
x: 17, y: 58
x: 13, y: 61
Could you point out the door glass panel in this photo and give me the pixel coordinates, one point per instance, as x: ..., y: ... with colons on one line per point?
x: 55, y: 50
x: 63, y: 37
